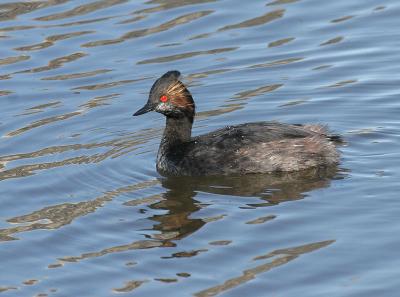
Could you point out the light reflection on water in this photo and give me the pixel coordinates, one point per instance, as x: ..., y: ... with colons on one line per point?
x: 83, y: 210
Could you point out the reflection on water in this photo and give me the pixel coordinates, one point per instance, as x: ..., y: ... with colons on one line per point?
x: 81, y: 9
x: 273, y: 188
x: 144, y: 32
x: 11, y: 10
x: 56, y: 63
x: 279, y: 257
x: 179, y: 200
x: 258, y: 91
x: 266, y: 18
x: 177, y: 222
x: 129, y: 286
x: 12, y: 60
x: 170, y: 4
x: 186, y: 55
x: 56, y: 216
x: 114, y: 148
x: 83, y: 211
x: 50, y: 40
x: 180, y: 205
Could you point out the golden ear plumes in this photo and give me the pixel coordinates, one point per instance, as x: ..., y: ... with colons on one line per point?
x: 180, y: 96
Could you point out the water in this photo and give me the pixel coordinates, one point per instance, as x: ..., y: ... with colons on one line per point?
x: 83, y: 211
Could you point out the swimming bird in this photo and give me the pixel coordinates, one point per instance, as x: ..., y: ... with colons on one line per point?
x: 258, y: 147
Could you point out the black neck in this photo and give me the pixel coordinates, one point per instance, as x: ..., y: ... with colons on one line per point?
x: 177, y: 130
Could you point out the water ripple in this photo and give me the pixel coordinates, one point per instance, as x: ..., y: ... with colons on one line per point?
x: 77, y: 75
x: 261, y: 90
x: 56, y: 63
x: 56, y: 216
x: 261, y: 20
x: 170, y: 4
x: 280, y: 257
x: 108, y: 84
x: 12, y: 60
x: 81, y: 10
x: 50, y: 40
x: 78, y: 175
x: 186, y: 55
x: 144, y: 32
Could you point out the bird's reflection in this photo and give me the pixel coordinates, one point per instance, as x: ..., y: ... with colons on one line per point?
x: 179, y: 202
x: 179, y: 199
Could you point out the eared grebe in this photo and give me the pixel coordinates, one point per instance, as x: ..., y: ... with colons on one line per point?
x: 261, y: 147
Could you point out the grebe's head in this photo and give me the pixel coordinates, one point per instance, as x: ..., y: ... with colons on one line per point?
x: 170, y: 97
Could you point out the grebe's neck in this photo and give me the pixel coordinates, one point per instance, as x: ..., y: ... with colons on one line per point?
x: 177, y: 130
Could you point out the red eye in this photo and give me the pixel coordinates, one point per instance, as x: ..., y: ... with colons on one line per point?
x: 163, y: 98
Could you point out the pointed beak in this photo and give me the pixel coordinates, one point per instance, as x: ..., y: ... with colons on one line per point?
x: 144, y: 109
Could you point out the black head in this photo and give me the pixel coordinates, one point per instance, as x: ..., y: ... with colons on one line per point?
x: 170, y: 97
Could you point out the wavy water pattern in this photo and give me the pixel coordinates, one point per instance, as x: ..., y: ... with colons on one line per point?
x: 83, y: 211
